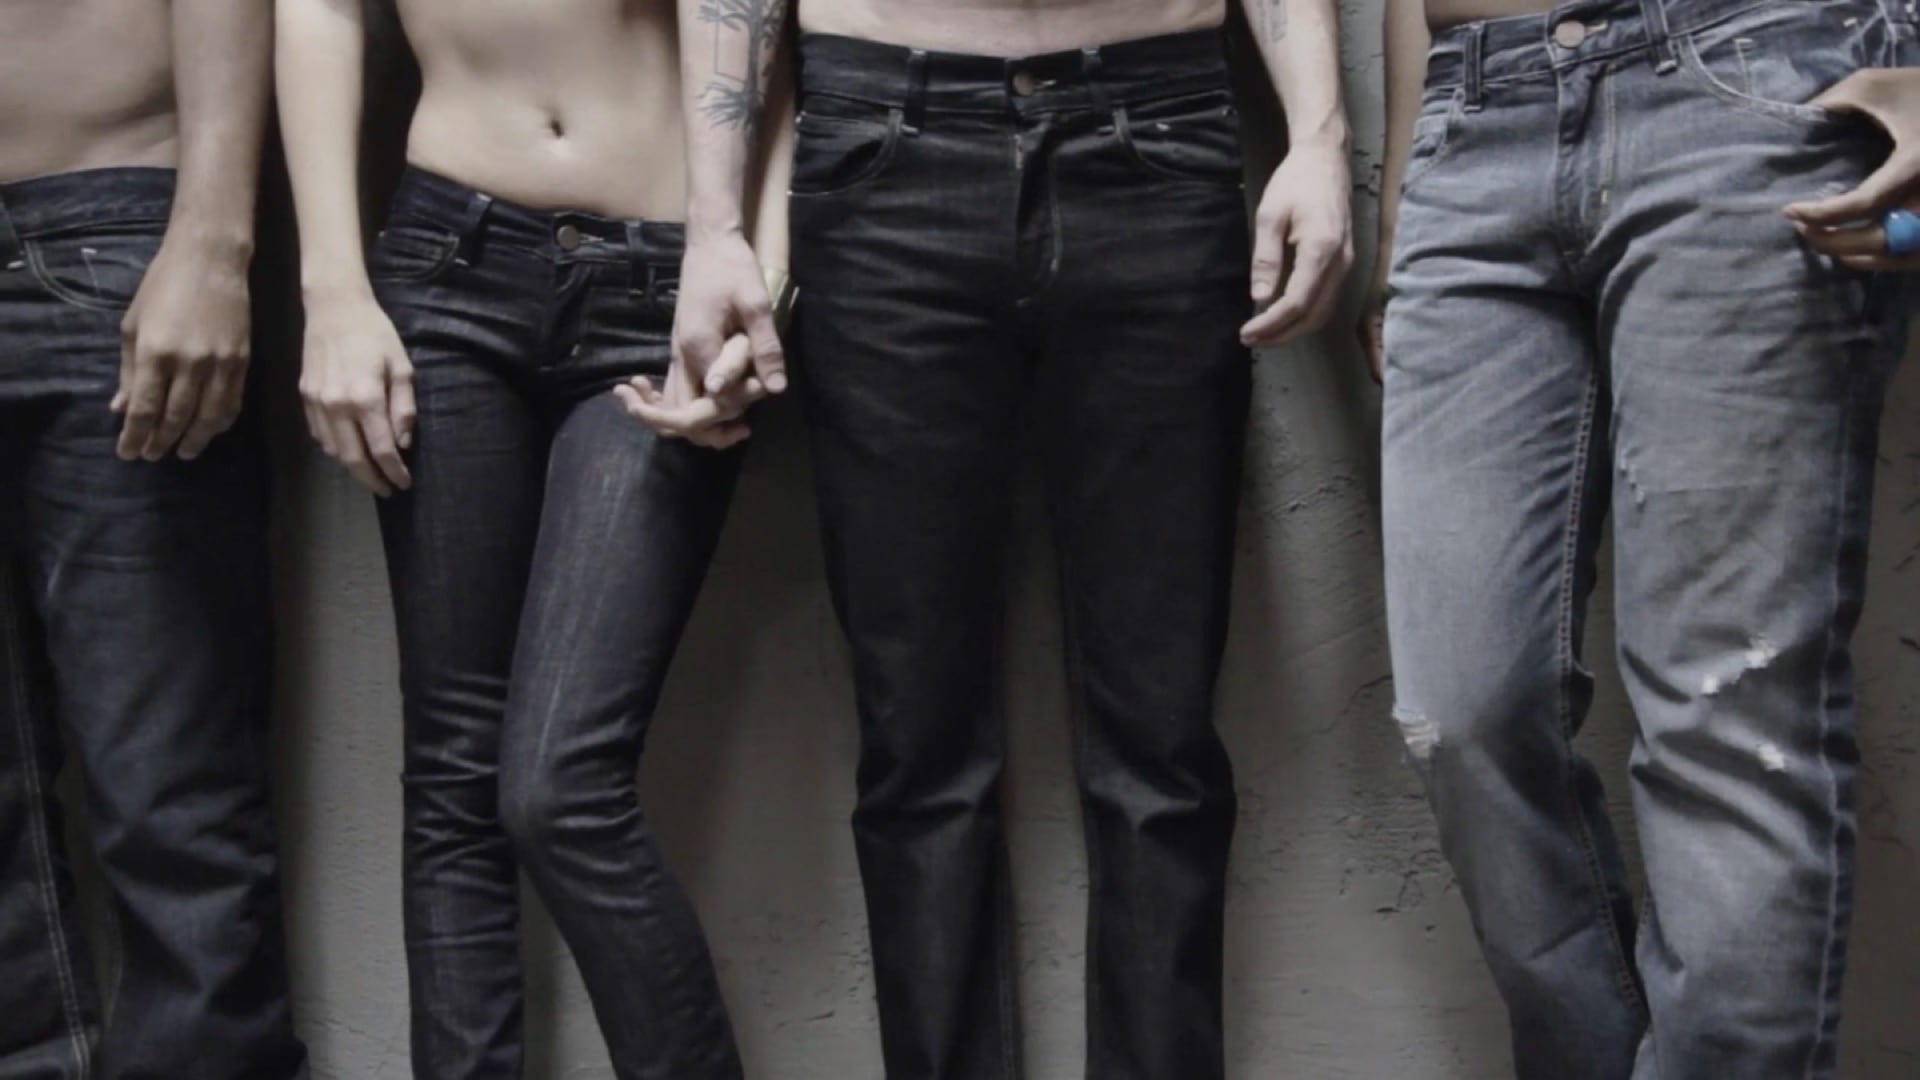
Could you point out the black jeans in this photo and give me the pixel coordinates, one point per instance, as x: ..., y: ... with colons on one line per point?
x: 134, y: 619
x: 1066, y: 233
x: 543, y: 566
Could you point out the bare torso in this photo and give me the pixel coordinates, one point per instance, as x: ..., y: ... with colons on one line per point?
x: 85, y: 84
x: 1442, y: 14
x: 1007, y: 27
x: 551, y: 103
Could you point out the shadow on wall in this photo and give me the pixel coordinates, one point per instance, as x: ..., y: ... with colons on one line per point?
x: 1349, y: 956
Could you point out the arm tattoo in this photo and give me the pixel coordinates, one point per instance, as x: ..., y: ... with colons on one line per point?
x: 1273, y: 18
x: 738, y: 100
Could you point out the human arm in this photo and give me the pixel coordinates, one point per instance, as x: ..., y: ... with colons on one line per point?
x: 1848, y: 225
x: 1303, y: 232
x: 1406, y: 40
x: 355, y: 379
x: 187, y: 336
x: 726, y: 343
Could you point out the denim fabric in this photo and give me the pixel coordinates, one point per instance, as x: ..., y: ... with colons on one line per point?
x: 134, y: 619
x: 543, y: 566
x: 1599, y: 308
x: 1068, y: 233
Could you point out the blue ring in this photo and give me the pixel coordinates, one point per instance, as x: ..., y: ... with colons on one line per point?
x: 1903, y: 232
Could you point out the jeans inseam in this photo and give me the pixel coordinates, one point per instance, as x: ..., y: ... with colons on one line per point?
x: 37, y: 826
x: 1077, y: 717
x: 1570, y: 557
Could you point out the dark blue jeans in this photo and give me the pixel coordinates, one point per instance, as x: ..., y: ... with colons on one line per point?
x: 973, y: 236
x: 543, y: 566
x: 134, y: 620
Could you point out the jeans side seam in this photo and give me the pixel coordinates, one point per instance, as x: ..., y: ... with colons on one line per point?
x: 1570, y: 557
x: 42, y: 838
x: 1004, y: 946
x: 1834, y: 936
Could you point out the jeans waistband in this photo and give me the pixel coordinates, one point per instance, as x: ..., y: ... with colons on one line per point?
x: 479, y: 220
x: 1095, y: 78
x: 90, y: 200
x: 1475, y: 54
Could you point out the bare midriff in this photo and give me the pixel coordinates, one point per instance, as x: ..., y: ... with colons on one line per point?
x: 1446, y: 14
x: 85, y: 84
x: 1007, y: 27
x: 554, y: 104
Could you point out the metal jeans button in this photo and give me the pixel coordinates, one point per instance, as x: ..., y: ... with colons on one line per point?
x: 1569, y: 34
x: 1025, y: 82
x: 568, y: 237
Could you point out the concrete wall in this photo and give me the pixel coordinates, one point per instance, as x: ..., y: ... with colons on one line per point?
x: 1350, y: 954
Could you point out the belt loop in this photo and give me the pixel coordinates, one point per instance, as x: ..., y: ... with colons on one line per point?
x: 1097, y: 88
x: 1475, y: 53
x: 639, y: 267
x: 1666, y: 52
x: 916, y: 104
x: 10, y: 245
x: 471, y: 220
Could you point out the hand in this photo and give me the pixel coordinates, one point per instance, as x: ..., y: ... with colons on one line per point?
x: 357, y: 384
x: 1303, y: 244
x: 1848, y: 226
x: 679, y: 410
x: 723, y: 293
x: 1372, y: 327
x: 184, y: 348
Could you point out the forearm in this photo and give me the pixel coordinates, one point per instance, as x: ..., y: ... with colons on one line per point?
x: 1406, y: 39
x: 223, y: 56
x: 321, y: 55
x: 1300, y: 42
x: 768, y: 195
x: 727, y: 58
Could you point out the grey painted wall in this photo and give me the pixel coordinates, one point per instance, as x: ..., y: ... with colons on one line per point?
x: 1350, y: 954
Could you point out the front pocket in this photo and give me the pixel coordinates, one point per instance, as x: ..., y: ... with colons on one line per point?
x: 1774, y: 58
x: 99, y: 272
x: 1433, y: 135
x: 1193, y: 138
x: 410, y: 253
x: 839, y: 146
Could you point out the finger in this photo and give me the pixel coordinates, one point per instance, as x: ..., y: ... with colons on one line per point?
x: 146, y: 398
x: 721, y: 436
x: 351, y: 450
x: 1326, y: 298
x: 403, y: 412
x: 1269, y: 261
x: 219, y: 406
x: 129, y: 353
x: 1866, y: 240
x: 184, y: 392
x: 1881, y: 264
x: 674, y: 421
x: 769, y: 358
x: 1285, y: 316
x: 319, y: 427
x: 733, y: 363
x: 1880, y: 191
x: 383, y: 448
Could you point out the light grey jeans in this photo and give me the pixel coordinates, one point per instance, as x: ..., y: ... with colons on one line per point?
x: 1599, y: 307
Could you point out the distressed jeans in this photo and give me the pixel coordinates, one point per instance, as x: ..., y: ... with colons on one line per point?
x: 1598, y: 308
x: 1066, y: 232
x: 543, y: 565
x: 134, y: 622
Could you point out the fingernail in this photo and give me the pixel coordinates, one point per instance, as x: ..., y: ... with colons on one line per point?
x: 777, y: 382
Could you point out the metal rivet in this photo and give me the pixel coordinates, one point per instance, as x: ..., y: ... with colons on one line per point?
x: 568, y: 237
x: 1569, y: 34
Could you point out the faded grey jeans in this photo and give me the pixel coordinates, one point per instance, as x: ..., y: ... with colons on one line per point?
x: 1599, y: 307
